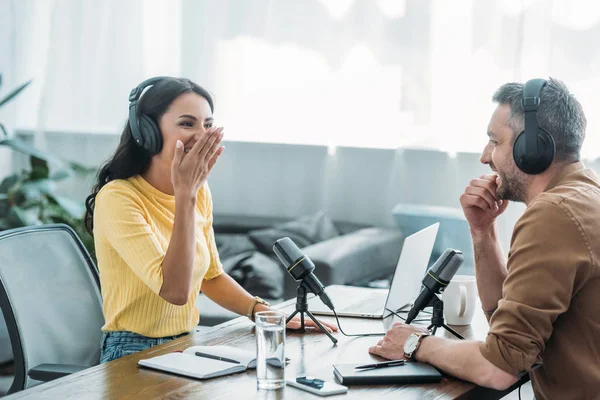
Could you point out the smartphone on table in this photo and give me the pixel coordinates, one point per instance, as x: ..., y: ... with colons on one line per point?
x: 317, y: 386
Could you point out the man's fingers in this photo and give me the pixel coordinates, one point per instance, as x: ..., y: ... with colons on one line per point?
x: 377, y: 350
x: 489, y: 177
x: 503, y: 204
x: 490, y: 186
x: 470, y: 200
x: 484, y: 194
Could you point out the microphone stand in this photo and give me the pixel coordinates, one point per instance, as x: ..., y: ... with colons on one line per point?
x: 437, y: 319
x: 302, y: 308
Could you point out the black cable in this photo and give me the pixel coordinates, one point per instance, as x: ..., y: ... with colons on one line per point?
x: 520, y: 392
x: 404, y: 319
x: 357, y: 334
x: 371, y: 334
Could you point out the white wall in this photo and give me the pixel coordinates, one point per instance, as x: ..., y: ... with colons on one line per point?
x: 7, y: 65
x: 352, y: 184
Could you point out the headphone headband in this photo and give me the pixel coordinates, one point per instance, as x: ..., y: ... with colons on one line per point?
x: 144, y: 130
x: 532, y: 93
x: 137, y: 91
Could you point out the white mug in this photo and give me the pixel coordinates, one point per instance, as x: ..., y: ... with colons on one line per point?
x: 460, y: 298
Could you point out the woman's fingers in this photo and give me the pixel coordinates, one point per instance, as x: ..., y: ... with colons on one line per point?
x: 197, y: 147
x: 215, y: 157
x: 212, y: 140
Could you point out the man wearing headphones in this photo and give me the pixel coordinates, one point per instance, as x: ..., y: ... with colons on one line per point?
x: 542, y: 302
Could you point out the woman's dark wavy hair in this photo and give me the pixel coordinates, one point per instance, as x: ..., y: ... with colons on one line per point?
x: 130, y: 159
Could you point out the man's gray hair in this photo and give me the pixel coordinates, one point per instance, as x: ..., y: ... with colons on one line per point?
x: 560, y: 114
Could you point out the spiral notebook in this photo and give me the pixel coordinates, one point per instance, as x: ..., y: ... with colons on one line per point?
x: 187, y: 363
x: 411, y: 372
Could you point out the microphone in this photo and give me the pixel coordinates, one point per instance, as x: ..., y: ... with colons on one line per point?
x: 436, y: 279
x: 300, y: 267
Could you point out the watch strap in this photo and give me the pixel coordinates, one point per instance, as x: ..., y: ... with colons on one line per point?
x: 420, y: 337
x: 255, y: 301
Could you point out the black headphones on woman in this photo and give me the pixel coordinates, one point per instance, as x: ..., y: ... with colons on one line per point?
x: 144, y: 129
x: 534, y: 148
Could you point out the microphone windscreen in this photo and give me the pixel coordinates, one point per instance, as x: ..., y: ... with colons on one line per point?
x: 452, y: 263
x: 287, y: 251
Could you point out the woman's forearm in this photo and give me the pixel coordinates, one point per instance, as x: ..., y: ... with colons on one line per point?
x: 178, y: 264
x: 227, y: 293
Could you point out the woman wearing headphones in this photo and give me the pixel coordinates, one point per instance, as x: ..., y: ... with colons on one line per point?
x: 150, y: 213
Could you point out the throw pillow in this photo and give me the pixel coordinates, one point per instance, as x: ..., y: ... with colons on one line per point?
x: 303, y: 231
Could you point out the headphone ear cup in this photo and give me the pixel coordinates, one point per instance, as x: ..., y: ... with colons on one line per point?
x: 151, y: 134
x: 531, y: 164
x: 519, y: 152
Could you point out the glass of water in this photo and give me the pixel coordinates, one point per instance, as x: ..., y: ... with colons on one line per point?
x: 270, y: 348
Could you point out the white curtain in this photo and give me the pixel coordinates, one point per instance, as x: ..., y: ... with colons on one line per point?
x: 364, y: 73
x: 85, y: 56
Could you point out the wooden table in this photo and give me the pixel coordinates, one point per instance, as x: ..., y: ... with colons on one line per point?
x: 310, y: 354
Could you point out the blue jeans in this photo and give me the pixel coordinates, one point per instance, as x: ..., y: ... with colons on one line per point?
x: 118, y: 344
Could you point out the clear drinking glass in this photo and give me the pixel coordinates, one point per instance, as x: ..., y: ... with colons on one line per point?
x: 270, y: 349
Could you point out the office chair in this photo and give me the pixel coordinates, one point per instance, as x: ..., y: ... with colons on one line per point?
x: 50, y: 297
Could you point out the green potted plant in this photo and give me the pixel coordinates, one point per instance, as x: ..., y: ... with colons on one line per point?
x: 29, y: 197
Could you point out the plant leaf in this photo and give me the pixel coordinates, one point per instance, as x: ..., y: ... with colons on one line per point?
x: 4, y: 133
x: 8, y: 183
x: 34, y: 189
x: 73, y: 208
x: 81, y: 169
x: 12, y: 94
x: 4, y: 207
x: 60, y: 174
x: 39, y: 168
x: 24, y: 148
x: 18, y: 217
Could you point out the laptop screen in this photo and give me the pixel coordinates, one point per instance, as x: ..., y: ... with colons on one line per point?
x: 412, y: 266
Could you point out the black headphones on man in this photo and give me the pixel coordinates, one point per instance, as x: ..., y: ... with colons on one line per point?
x: 533, y: 150
x: 144, y: 129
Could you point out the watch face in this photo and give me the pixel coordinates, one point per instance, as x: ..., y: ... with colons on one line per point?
x: 411, y: 343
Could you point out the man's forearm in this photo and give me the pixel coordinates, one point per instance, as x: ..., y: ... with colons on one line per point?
x: 490, y: 267
x: 463, y: 359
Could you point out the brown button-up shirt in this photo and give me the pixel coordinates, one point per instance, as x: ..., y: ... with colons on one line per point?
x: 548, y: 320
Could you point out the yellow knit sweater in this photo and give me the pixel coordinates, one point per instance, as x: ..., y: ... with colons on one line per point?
x: 133, y: 222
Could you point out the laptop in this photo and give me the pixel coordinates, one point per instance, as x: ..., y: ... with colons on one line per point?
x: 405, y: 287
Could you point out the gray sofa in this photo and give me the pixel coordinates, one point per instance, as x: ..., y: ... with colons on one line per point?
x: 343, y: 253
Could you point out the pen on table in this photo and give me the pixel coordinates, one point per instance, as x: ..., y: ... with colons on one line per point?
x: 385, y: 364
x: 199, y: 354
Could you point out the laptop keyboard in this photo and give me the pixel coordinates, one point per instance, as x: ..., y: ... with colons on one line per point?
x: 373, y: 305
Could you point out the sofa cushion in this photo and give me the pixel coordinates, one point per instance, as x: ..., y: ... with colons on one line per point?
x: 304, y: 232
x: 233, y: 244
x: 258, y: 274
x: 358, y: 257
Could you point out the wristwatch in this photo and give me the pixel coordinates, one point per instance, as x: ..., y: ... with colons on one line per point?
x: 412, y: 343
x: 257, y: 300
